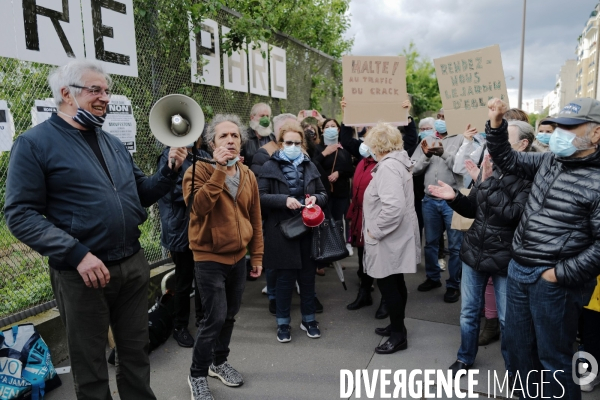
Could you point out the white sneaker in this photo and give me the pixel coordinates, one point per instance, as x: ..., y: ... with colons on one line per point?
x: 442, y: 263
x: 264, y: 291
x: 590, y: 386
x: 350, y: 251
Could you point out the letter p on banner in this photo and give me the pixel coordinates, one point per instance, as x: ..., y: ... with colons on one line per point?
x: 584, y: 368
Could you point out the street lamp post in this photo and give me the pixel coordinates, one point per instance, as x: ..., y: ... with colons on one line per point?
x: 522, y: 55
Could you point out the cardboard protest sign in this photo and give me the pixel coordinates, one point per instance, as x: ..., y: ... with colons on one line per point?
x: 467, y: 81
x: 374, y: 89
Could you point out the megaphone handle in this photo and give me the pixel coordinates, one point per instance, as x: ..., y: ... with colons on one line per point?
x: 172, y: 161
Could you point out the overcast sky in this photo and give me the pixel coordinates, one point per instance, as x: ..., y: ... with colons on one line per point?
x: 443, y: 27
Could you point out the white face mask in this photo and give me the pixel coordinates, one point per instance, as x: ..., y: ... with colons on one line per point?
x: 364, y: 150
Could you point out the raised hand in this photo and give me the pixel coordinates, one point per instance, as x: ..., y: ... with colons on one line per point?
x: 472, y: 169
x: 470, y: 132
x: 443, y: 191
x: 486, y: 167
x: 496, y: 110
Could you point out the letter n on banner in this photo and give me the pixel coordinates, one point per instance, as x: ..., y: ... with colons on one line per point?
x: 205, y: 53
x: 110, y: 34
x: 235, y: 71
x: 259, y: 68
x: 278, y: 73
x: 49, y: 34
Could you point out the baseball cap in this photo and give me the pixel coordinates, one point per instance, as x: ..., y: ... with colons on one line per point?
x: 578, y: 111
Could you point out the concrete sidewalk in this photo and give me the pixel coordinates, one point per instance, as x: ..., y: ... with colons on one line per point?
x: 310, y: 368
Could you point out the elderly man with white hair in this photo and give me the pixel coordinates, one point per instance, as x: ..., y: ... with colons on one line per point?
x: 74, y: 194
x: 259, y: 133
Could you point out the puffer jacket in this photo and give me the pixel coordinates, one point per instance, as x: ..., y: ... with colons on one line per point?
x: 560, y: 226
x: 252, y: 144
x: 496, y: 204
x: 293, y: 175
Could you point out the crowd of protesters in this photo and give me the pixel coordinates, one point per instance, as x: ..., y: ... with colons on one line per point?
x: 529, y: 262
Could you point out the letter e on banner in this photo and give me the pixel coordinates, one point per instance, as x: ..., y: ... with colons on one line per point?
x: 110, y: 35
x: 259, y: 66
x: 278, y: 72
x: 235, y: 72
x: 204, y: 49
x: 49, y: 34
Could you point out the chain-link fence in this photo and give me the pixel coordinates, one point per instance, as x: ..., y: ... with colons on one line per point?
x: 313, y: 79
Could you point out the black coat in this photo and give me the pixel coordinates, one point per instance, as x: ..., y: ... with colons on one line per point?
x: 343, y: 165
x: 496, y: 204
x: 252, y: 144
x: 281, y: 253
x: 560, y: 226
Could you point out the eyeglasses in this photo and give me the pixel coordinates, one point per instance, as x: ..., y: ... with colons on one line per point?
x: 290, y: 143
x: 425, y: 129
x: 94, y: 90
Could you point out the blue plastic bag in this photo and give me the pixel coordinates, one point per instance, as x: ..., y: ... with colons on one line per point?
x: 26, y: 369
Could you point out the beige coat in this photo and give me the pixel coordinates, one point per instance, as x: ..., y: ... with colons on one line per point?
x: 389, y: 216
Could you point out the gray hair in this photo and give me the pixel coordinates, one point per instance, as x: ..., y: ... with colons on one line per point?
x: 220, y: 118
x: 257, y: 107
x: 429, y: 121
x: 278, y: 121
x: 525, y: 131
x: 72, y: 74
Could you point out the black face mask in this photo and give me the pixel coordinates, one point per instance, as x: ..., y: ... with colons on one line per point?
x: 310, y: 134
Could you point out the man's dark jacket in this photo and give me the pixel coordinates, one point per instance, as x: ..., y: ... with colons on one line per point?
x: 561, y: 223
x: 174, y: 223
x: 496, y: 205
x: 251, y: 146
x: 61, y: 202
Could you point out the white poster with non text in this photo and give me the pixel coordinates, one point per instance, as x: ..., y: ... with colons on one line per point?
x: 7, y: 127
x: 42, y: 110
x: 120, y: 122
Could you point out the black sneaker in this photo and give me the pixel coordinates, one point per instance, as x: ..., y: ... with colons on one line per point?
x: 318, y: 306
x: 183, y: 337
x: 283, y: 333
x: 199, y: 388
x: 273, y: 307
x: 227, y: 374
x: 452, y: 295
x: 311, y: 328
x: 428, y: 285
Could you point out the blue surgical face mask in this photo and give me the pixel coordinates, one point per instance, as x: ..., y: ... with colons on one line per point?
x: 292, y: 152
x: 373, y: 155
x: 330, y: 135
x: 231, y: 163
x: 440, y: 126
x: 426, y: 133
x: 364, y: 150
x: 561, y: 143
x: 543, y: 137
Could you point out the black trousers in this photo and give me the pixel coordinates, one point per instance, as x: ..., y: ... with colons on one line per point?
x: 393, y: 290
x: 590, y: 335
x: 365, y: 280
x: 184, y: 276
x: 87, y: 312
x: 221, y: 287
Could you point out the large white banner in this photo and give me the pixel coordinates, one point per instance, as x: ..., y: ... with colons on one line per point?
x: 235, y: 71
x: 259, y: 68
x: 110, y: 35
x: 204, y: 48
x: 278, y: 73
x: 52, y: 32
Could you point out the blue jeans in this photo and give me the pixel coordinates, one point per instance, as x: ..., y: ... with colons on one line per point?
x: 271, y: 282
x: 473, y: 286
x: 541, y: 325
x: 221, y: 287
x: 436, y: 214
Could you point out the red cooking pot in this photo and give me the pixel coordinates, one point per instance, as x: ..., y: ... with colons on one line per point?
x: 312, y: 216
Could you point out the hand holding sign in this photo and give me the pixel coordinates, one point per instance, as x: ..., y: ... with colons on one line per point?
x: 496, y: 110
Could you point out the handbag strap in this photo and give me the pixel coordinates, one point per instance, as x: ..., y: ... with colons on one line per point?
x: 333, y: 167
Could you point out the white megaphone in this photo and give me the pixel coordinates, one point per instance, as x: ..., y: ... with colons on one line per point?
x: 176, y: 120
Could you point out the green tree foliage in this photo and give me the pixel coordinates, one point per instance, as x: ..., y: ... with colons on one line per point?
x: 534, y: 118
x: 421, y: 82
